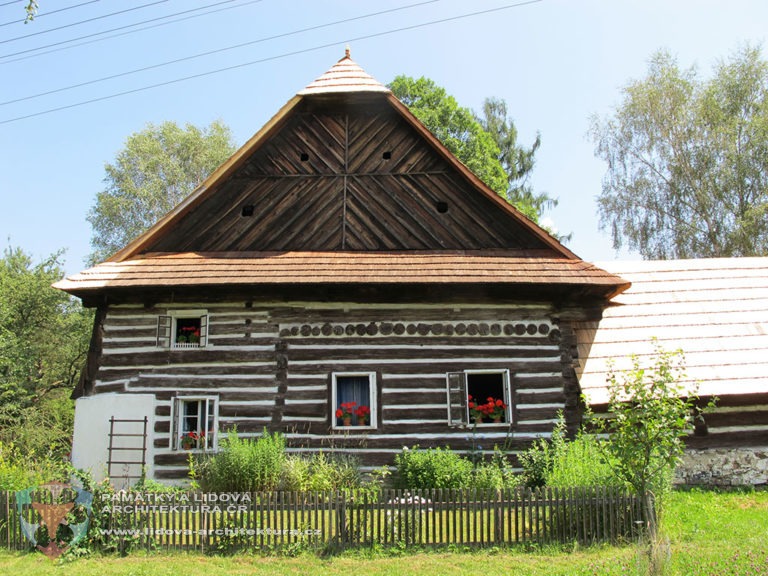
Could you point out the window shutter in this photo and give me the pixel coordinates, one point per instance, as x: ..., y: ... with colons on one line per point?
x: 164, y: 324
x: 508, y: 396
x: 203, y: 330
x: 175, y: 416
x: 457, y: 399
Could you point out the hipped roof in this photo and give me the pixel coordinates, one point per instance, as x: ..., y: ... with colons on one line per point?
x: 139, y: 265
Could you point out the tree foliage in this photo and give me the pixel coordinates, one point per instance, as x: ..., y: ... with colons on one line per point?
x: 517, y: 161
x: 156, y: 170
x: 486, y: 144
x: 44, y: 337
x: 688, y: 160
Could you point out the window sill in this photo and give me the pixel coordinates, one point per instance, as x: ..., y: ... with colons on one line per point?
x: 353, y: 428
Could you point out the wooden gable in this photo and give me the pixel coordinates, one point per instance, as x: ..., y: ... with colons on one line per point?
x: 342, y: 174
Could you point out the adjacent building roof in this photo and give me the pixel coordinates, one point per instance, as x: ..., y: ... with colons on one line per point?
x: 715, y: 310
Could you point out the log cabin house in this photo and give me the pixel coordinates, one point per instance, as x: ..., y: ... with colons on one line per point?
x: 342, y: 255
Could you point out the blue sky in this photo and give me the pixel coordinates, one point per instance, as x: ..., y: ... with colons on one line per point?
x: 555, y: 62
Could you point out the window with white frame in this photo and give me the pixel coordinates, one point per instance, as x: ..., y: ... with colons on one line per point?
x: 195, y: 423
x: 353, y: 400
x: 181, y: 329
x: 479, y: 397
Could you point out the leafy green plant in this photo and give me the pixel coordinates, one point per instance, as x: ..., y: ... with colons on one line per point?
x: 649, y: 414
x: 495, y: 474
x: 537, y: 463
x: 432, y: 468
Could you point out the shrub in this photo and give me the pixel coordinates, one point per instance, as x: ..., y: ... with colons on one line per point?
x: 537, y: 463
x: 433, y: 468
x: 242, y: 464
x: 18, y: 472
x: 495, y: 475
x: 13, y: 474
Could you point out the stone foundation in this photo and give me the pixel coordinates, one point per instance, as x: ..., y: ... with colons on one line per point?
x: 724, y: 467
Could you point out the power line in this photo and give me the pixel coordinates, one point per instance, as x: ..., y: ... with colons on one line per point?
x: 38, y: 16
x: 217, y: 51
x: 125, y: 33
x: 114, y: 29
x: 82, y: 22
x: 270, y: 58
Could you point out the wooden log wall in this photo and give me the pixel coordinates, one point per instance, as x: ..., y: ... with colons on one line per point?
x: 270, y: 365
x: 737, y: 421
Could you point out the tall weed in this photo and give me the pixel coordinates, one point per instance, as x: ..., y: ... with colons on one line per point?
x: 581, y: 462
x: 242, y: 464
x: 320, y: 472
x: 563, y: 463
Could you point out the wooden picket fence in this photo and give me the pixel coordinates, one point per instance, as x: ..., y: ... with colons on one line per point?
x: 353, y: 519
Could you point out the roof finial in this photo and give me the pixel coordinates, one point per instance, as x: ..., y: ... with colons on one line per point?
x: 347, y: 52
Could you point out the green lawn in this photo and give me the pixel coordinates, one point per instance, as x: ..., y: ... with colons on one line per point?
x: 709, y: 533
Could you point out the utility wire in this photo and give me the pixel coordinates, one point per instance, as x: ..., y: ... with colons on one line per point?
x: 217, y: 51
x: 38, y: 16
x: 270, y: 58
x: 125, y: 33
x: 114, y: 29
x: 82, y: 21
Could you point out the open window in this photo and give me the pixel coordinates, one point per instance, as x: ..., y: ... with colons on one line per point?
x: 195, y: 423
x: 480, y: 397
x: 353, y: 400
x: 183, y: 329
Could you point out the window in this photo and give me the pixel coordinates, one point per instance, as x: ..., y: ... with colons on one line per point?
x: 195, y: 423
x: 353, y: 400
x: 481, y: 397
x: 183, y: 329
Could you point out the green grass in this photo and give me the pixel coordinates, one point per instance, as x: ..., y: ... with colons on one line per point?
x: 710, y: 534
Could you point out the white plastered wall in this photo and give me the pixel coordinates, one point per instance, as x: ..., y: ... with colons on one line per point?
x: 90, y: 443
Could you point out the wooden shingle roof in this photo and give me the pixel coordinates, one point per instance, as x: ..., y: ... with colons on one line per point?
x: 344, y: 76
x: 715, y: 310
x: 194, y: 269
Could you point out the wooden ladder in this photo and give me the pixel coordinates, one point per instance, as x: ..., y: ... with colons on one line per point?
x: 124, y: 453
